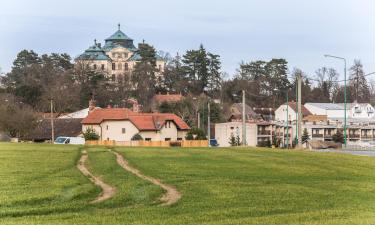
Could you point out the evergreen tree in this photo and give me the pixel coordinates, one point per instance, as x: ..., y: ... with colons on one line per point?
x: 338, y: 137
x: 143, y: 76
x: 305, y: 136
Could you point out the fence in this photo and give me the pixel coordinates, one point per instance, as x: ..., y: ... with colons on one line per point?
x: 184, y: 144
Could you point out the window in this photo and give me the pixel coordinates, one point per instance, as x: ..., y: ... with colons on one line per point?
x: 107, y: 127
x: 167, y: 139
x: 113, y: 55
x: 123, y: 130
x: 126, y: 55
x: 103, y: 67
x: 119, y: 55
x: 113, y: 66
x: 147, y: 139
x: 169, y: 124
x: 94, y: 66
x: 179, y: 139
x: 113, y: 78
x: 126, y: 67
x: 119, y: 66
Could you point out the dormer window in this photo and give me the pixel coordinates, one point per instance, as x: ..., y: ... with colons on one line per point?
x: 126, y: 55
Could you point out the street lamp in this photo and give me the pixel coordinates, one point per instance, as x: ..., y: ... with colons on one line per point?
x: 341, y: 58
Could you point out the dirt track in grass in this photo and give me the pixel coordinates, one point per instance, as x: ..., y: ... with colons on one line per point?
x: 170, y: 197
x: 107, y: 190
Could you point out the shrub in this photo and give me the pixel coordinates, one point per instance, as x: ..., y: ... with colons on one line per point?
x: 137, y: 137
x: 198, y: 133
x: 90, y: 135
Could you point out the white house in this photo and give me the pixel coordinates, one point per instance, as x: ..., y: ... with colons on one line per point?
x: 336, y: 110
x: 291, y: 108
x: 122, y: 124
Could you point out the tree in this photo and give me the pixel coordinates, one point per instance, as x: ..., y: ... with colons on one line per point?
x: 305, y: 136
x: 338, y: 137
x: 90, y: 135
x: 174, y: 77
x: 17, y: 119
x: 277, y: 80
x: 232, y: 140
x: 327, y: 82
x: 358, y: 83
x: 143, y: 77
x: 202, y: 70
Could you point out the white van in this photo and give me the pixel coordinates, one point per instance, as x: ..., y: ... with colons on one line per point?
x: 69, y: 140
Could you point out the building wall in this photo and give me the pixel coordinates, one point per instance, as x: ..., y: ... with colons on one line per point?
x: 223, y: 132
x: 280, y: 113
x: 112, y: 130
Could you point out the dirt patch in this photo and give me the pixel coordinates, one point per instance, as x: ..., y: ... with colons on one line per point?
x: 170, y: 197
x: 107, y: 190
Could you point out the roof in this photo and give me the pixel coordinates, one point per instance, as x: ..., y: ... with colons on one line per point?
x: 94, y: 52
x: 78, y: 114
x: 143, y: 121
x: 236, y: 111
x: 337, y: 106
x: 327, y: 106
x: 159, y: 98
x: 62, y: 127
x: 305, y: 111
x: 118, y: 35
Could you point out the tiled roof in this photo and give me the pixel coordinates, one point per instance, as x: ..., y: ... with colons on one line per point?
x: 143, y: 121
x: 305, y: 111
x: 159, y: 98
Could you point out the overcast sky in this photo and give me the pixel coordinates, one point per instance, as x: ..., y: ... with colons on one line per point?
x: 300, y: 31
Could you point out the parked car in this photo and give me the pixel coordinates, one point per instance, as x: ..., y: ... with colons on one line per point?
x: 213, y: 143
x: 69, y: 140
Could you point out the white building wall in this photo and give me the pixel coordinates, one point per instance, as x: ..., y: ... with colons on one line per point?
x: 281, y: 112
x: 223, y: 132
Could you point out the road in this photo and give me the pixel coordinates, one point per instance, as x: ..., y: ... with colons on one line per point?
x: 361, y: 153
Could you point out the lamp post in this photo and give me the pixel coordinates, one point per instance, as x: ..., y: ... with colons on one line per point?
x: 343, y: 59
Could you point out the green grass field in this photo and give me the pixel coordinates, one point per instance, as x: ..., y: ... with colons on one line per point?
x: 40, y: 184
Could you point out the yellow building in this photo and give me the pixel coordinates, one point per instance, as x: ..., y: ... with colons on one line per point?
x: 116, y: 58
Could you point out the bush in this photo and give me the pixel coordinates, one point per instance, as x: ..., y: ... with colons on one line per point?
x: 137, y: 137
x: 198, y: 133
x: 90, y: 135
x: 266, y: 144
x: 338, y: 137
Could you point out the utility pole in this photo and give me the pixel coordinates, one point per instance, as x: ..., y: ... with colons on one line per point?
x: 243, y: 119
x: 208, y: 124
x: 199, y: 119
x: 299, y: 139
x: 52, y: 124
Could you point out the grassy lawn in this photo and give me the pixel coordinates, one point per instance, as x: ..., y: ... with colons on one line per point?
x: 41, y: 185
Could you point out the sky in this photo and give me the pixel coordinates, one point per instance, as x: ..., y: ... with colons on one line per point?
x: 301, y: 31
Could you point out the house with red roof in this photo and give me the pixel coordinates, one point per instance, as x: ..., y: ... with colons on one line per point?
x: 121, y: 124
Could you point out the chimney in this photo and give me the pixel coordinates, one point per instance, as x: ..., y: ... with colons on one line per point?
x: 91, y: 105
x: 135, y: 106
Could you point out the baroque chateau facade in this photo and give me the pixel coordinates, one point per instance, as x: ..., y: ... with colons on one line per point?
x: 116, y: 58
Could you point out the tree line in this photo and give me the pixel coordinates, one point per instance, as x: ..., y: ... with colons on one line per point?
x: 36, y: 79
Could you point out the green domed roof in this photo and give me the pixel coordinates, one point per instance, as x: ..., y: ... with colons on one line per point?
x: 94, y: 52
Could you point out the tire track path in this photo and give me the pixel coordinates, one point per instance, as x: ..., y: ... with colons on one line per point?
x: 107, y: 190
x: 171, y: 196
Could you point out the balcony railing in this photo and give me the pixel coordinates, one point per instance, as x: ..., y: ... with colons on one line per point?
x: 353, y: 135
x: 367, y: 136
x: 317, y: 135
x: 264, y: 132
